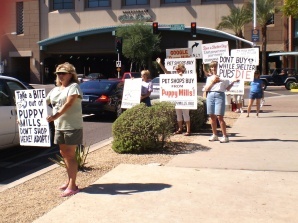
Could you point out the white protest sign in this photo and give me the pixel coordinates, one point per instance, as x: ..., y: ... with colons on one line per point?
x: 235, y: 68
x: 32, y: 113
x: 251, y: 53
x: 178, y: 53
x: 196, y: 48
x: 189, y: 63
x: 237, y: 88
x: 180, y: 90
x: 131, y: 92
x: 212, y: 51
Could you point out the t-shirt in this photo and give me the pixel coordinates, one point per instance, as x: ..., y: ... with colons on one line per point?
x: 219, y: 86
x: 72, y: 118
x: 146, y: 87
x: 256, y: 85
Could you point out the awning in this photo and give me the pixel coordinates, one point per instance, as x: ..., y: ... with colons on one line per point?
x: 81, y: 33
x: 293, y: 53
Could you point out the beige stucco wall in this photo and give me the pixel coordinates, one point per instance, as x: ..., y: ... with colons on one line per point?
x: 60, y: 22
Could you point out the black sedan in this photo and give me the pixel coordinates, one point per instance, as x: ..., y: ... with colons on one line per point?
x: 102, y: 97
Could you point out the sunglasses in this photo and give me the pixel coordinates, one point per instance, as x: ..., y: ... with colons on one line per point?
x: 60, y: 73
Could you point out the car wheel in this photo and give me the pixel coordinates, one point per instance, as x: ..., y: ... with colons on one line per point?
x: 288, y: 84
x: 264, y: 85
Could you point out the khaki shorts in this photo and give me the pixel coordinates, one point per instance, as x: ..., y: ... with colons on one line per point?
x: 69, y: 137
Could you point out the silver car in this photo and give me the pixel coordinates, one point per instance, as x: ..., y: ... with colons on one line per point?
x: 156, y: 88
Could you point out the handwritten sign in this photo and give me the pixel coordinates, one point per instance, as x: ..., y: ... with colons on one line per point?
x: 212, y: 51
x: 32, y: 112
x: 237, y: 88
x: 178, y: 53
x: 251, y: 53
x: 189, y: 63
x: 131, y: 92
x: 180, y: 90
x: 233, y: 68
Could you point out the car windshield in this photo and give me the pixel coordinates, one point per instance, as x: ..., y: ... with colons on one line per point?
x: 155, y: 80
x: 98, y: 85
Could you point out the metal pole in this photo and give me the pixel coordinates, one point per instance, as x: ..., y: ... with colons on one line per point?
x: 118, y: 60
x: 255, y: 14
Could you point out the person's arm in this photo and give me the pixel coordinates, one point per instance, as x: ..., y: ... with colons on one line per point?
x: 69, y: 102
x: 158, y: 60
x: 206, y: 72
x: 231, y: 85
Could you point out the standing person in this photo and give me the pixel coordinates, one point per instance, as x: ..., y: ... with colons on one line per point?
x: 238, y: 98
x: 216, y: 102
x: 146, y: 87
x: 181, y: 113
x: 67, y: 115
x: 256, y: 92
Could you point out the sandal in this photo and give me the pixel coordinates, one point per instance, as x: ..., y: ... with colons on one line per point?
x: 69, y: 192
x: 63, y: 187
x: 178, y: 132
x: 187, y: 134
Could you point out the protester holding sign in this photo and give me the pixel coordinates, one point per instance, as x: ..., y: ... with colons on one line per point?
x: 181, y: 113
x: 67, y: 115
x: 256, y: 92
x: 146, y: 87
x: 216, y: 102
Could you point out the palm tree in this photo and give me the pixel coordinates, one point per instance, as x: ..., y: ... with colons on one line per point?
x: 264, y: 11
x: 235, y: 21
x: 290, y: 8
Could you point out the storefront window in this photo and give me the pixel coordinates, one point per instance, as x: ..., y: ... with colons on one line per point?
x: 98, y: 3
x: 175, y: 1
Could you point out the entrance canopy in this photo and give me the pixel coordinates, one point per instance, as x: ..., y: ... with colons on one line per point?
x: 77, y: 35
x: 292, y: 53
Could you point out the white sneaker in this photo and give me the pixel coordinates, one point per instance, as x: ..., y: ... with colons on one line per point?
x: 213, y: 138
x: 237, y: 111
x: 224, y: 139
x: 241, y: 110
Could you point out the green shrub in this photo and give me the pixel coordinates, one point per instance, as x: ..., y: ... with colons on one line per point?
x: 142, y: 129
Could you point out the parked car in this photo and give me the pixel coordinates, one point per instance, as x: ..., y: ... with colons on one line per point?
x: 102, y: 97
x: 156, y: 88
x: 128, y: 75
x: 93, y: 76
x: 279, y: 77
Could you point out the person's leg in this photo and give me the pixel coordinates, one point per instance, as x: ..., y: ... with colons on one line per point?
x: 186, y: 118
x: 223, y: 126
x: 250, y: 103
x: 179, y: 121
x: 68, y: 153
x: 258, y: 102
x: 213, y: 123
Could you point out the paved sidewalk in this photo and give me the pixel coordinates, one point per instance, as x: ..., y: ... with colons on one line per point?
x: 253, y: 178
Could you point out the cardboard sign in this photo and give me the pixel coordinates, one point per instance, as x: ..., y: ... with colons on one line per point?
x: 189, y: 63
x: 180, y: 90
x: 237, y: 88
x: 178, y: 53
x: 131, y: 92
x: 252, y: 53
x: 212, y: 51
x: 236, y: 68
x: 32, y: 113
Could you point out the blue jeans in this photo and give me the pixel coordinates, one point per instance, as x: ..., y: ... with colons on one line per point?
x: 216, y: 103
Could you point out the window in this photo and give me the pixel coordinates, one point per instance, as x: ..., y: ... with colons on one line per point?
x: 175, y: 1
x: 217, y: 1
x: 136, y: 2
x: 20, y: 17
x: 63, y: 4
x: 98, y: 3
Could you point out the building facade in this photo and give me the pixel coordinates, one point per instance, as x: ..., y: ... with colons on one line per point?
x: 50, y: 32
